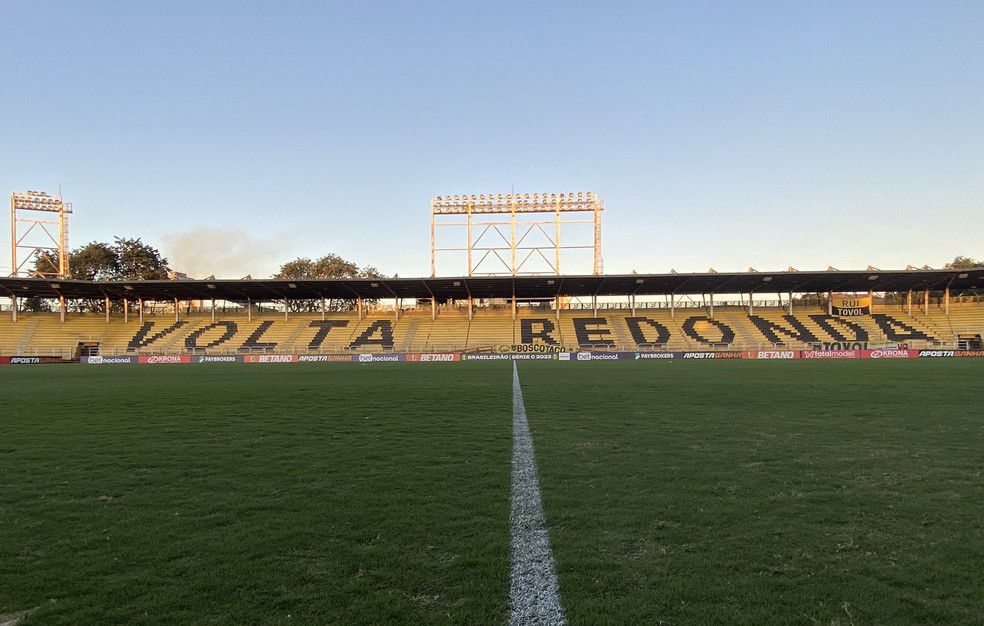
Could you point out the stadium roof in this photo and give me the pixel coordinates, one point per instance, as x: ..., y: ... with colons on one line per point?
x: 524, y: 287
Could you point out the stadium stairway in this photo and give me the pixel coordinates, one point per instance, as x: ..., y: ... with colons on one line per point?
x: 490, y: 328
x: 14, y: 338
x: 449, y: 332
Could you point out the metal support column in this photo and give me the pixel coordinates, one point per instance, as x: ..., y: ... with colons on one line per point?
x: 557, y: 240
x: 396, y: 308
x: 434, y: 245
x: 358, y: 306
x: 469, y: 308
x: 751, y: 311
x: 249, y: 310
x: 126, y: 311
x: 672, y: 306
x: 213, y: 309
x: 13, y: 308
x: 514, y: 304
x: 433, y: 308
x: 286, y: 307
x: 712, y: 305
x: 926, y: 302
x: 830, y: 303
x: 594, y: 306
x: 557, y: 306
x: 512, y: 242
x: 790, y: 302
x: 632, y: 304
x: 908, y: 302
x: 61, y: 300
x: 140, y: 303
x: 175, y: 309
x: 107, y: 309
x: 322, y: 308
x: 946, y: 301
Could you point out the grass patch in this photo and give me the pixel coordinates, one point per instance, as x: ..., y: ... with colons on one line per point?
x: 255, y: 494
x: 763, y: 493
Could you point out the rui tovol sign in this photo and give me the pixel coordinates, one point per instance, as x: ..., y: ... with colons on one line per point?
x: 850, y: 305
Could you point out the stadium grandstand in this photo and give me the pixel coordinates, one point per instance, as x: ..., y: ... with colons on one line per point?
x: 670, y: 313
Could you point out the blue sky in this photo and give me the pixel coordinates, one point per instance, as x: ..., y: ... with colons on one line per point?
x: 237, y: 135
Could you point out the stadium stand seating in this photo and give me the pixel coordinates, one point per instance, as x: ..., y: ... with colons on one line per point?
x: 730, y: 327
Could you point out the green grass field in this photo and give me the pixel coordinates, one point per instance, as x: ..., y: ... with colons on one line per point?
x: 676, y: 492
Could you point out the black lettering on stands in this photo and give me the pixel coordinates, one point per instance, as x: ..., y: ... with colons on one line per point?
x: 690, y: 328
x: 384, y: 329
x: 771, y: 330
x: 191, y: 341
x: 592, y: 336
x: 639, y: 336
x: 897, y: 330
x: 826, y: 322
x: 324, y: 327
x: 143, y: 338
x: 253, y: 341
x: 528, y: 335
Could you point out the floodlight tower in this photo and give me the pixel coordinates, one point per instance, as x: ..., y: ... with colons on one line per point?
x: 507, y: 238
x: 30, y: 233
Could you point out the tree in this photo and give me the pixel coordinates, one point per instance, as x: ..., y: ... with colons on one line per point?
x: 139, y: 261
x: 124, y: 259
x: 327, y: 267
x: 94, y: 261
x: 963, y: 263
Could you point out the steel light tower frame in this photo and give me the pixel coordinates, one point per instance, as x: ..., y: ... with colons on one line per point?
x: 498, y: 217
x: 25, y: 221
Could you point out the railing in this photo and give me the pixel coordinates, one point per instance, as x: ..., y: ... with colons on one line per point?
x: 613, y: 346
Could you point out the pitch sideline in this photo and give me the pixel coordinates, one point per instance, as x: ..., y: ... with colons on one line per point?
x: 534, y: 595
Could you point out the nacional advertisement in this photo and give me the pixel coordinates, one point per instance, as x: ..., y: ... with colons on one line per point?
x: 604, y: 356
x: 850, y: 305
x: 382, y: 358
x: 109, y: 360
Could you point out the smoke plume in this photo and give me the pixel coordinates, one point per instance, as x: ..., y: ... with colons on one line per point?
x: 224, y: 253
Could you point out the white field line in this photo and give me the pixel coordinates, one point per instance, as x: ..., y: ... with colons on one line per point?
x: 534, y: 596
